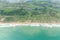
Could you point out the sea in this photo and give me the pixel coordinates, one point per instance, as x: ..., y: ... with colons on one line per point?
x: 29, y: 33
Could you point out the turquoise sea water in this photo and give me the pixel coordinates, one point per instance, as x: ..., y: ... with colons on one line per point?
x: 29, y: 33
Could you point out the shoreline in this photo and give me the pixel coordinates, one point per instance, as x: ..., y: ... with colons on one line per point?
x: 30, y: 24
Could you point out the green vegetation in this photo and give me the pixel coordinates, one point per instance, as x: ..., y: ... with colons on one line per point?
x: 35, y: 10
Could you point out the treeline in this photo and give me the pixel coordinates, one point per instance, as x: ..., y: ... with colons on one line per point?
x: 33, y: 10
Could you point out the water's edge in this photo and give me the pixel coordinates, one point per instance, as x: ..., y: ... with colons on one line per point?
x: 29, y: 24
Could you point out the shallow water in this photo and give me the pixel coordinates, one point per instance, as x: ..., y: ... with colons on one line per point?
x: 29, y: 33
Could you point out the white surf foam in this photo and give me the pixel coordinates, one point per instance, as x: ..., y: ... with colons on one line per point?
x: 29, y: 24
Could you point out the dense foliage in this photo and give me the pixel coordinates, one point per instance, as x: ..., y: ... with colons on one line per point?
x: 35, y: 10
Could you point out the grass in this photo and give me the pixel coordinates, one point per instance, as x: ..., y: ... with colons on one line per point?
x: 32, y: 18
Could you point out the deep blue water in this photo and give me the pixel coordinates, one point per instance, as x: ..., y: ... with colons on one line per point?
x: 29, y: 33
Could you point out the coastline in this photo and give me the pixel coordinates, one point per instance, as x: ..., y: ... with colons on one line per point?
x: 29, y: 24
